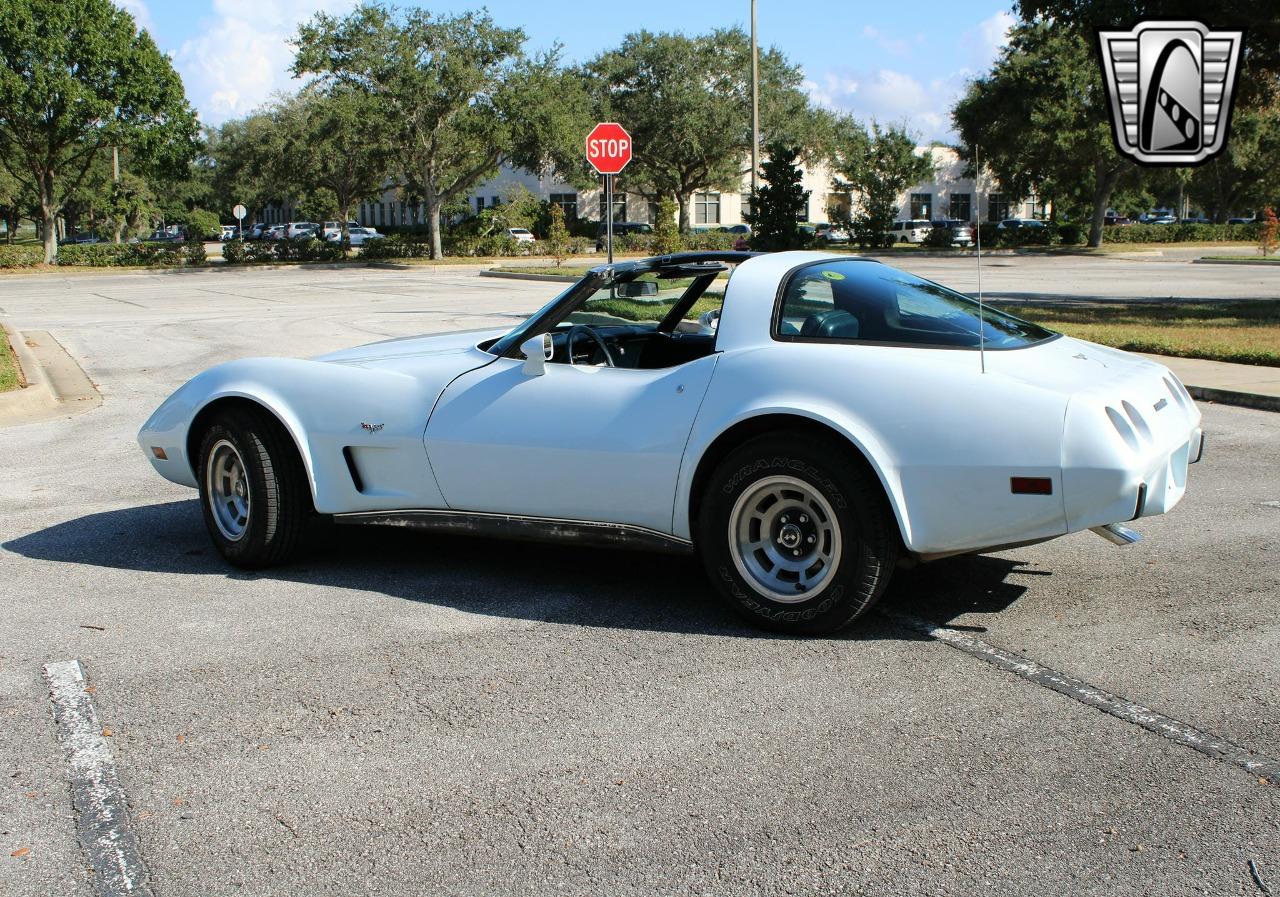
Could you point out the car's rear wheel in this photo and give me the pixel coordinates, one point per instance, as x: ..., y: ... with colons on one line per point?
x: 796, y: 535
x: 253, y: 490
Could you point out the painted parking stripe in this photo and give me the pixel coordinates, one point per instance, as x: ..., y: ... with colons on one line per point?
x: 108, y: 841
x: 1165, y: 726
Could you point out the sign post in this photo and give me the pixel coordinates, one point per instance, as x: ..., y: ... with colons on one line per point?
x: 240, y: 211
x: 608, y: 151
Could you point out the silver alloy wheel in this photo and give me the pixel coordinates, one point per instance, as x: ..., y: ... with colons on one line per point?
x: 227, y: 484
x: 785, y: 539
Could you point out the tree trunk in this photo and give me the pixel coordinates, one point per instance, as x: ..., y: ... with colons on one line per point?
x: 683, y: 200
x: 48, y: 218
x: 432, y: 202
x: 345, y: 240
x: 1104, y: 184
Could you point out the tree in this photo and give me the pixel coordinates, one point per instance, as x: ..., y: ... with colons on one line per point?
x: 461, y: 89
x: 777, y: 205
x: 333, y: 151
x: 1042, y: 121
x: 666, y: 230
x: 76, y: 76
x: 1244, y: 175
x: 246, y: 154
x: 1267, y: 231
x: 878, y: 165
x: 686, y: 102
x: 558, y: 236
x: 16, y: 203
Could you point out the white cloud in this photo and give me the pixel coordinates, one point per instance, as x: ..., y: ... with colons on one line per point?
x: 891, y: 97
x: 894, y: 97
x: 986, y: 41
x: 141, y: 15
x: 242, y: 55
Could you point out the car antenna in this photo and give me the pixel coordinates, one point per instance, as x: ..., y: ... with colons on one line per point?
x: 982, y: 321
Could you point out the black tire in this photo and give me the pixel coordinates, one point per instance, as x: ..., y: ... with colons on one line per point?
x: 867, y: 532
x: 279, y: 507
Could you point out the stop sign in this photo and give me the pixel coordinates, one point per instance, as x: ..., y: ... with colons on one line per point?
x: 608, y: 147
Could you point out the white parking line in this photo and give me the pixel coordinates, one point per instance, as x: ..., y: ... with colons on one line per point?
x: 1265, y: 768
x: 99, y: 803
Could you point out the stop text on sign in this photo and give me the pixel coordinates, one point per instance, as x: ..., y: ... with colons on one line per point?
x: 609, y: 147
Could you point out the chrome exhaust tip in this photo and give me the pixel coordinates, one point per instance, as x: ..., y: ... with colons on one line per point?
x: 1117, y: 534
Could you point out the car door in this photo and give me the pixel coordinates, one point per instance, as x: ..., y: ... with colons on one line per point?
x: 576, y: 442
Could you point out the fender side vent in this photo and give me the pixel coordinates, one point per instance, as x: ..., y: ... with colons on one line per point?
x: 352, y: 469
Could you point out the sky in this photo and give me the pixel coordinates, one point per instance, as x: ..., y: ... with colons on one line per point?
x: 896, y: 62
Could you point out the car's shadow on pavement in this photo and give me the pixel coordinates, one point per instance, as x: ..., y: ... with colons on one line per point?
x: 573, y: 585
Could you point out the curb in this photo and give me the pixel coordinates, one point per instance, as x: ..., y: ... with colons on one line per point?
x: 1242, y: 261
x: 549, y: 278
x: 1252, y: 400
x: 56, y: 385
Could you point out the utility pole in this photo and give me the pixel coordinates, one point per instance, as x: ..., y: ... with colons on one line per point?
x: 755, y: 102
x: 115, y: 164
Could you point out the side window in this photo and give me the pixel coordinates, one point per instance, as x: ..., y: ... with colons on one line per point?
x: 807, y: 299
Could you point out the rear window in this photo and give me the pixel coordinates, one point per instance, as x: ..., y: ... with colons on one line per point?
x: 849, y: 300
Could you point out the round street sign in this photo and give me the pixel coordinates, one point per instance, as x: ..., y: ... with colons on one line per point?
x: 608, y: 147
x: 239, y: 211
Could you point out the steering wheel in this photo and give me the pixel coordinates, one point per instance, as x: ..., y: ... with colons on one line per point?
x: 590, y: 331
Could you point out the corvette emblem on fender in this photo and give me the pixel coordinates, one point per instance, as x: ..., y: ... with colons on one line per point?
x: 1170, y: 85
x: 371, y: 428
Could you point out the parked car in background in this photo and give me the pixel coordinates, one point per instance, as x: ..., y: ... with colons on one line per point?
x: 913, y: 231
x: 961, y: 231
x: 620, y: 228
x: 332, y: 230
x: 520, y: 234
x: 1197, y: 220
x: 744, y: 229
x: 1019, y: 223
x: 79, y: 239
x: 257, y: 231
x: 359, y: 235
x: 301, y: 230
x: 228, y: 232
x: 274, y: 232
x: 1241, y: 220
x: 1162, y: 219
x: 830, y: 234
x: 1116, y: 221
x: 165, y: 236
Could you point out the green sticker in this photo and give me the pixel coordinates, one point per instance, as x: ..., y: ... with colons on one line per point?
x: 833, y: 275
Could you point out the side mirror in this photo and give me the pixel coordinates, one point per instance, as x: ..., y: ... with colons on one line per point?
x: 636, y: 289
x: 537, y: 351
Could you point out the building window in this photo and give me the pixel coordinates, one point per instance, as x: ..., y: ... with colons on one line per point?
x: 922, y: 206
x: 568, y: 203
x: 619, y: 206
x: 804, y: 211
x: 745, y: 208
x: 653, y: 213
x: 494, y: 202
x: 479, y: 204
x: 997, y: 207
x: 960, y: 206
x: 706, y: 208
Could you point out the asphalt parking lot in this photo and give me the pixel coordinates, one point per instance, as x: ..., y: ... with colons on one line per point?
x: 397, y: 714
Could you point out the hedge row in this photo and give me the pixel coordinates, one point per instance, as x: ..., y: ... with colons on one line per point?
x: 1180, y: 233
x: 238, y: 252
x: 132, y: 255
x: 21, y: 256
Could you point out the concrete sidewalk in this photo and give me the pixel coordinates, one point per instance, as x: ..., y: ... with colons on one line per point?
x: 1247, y: 385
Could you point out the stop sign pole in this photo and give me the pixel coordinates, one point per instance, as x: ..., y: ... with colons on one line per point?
x: 608, y: 151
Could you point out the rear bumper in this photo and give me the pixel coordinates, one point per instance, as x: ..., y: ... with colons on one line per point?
x: 1128, y: 458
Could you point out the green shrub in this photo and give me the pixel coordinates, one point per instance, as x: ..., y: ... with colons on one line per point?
x: 940, y: 238
x: 1071, y: 234
x: 312, y: 250
x: 709, y: 240
x: 397, y: 247
x: 21, y: 256
x: 233, y: 251
x: 990, y: 235
x: 132, y: 255
x: 1180, y: 233
x: 202, y: 225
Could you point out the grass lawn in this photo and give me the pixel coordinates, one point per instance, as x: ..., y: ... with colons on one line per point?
x: 1242, y: 332
x: 9, y: 377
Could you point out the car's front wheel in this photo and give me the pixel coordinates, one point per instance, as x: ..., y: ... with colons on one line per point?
x: 253, y: 490
x: 796, y: 535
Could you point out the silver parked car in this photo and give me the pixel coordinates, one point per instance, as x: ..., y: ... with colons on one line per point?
x: 961, y: 231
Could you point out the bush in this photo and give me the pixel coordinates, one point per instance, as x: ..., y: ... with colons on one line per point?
x: 709, y: 240
x: 1071, y: 234
x: 990, y: 235
x: 202, y: 225
x: 1180, y: 233
x: 21, y: 256
x: 940, y: 238
x: 312, y: 250
x: 397, y: 247
x: 132, y: 255
x: 233, y: 251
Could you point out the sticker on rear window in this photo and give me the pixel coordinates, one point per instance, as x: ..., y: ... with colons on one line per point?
x: 833, y: 275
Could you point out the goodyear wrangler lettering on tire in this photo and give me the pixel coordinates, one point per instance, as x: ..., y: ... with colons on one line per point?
x: 799, y: 538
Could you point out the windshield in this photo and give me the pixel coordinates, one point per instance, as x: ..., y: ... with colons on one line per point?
x: 850, y: 300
